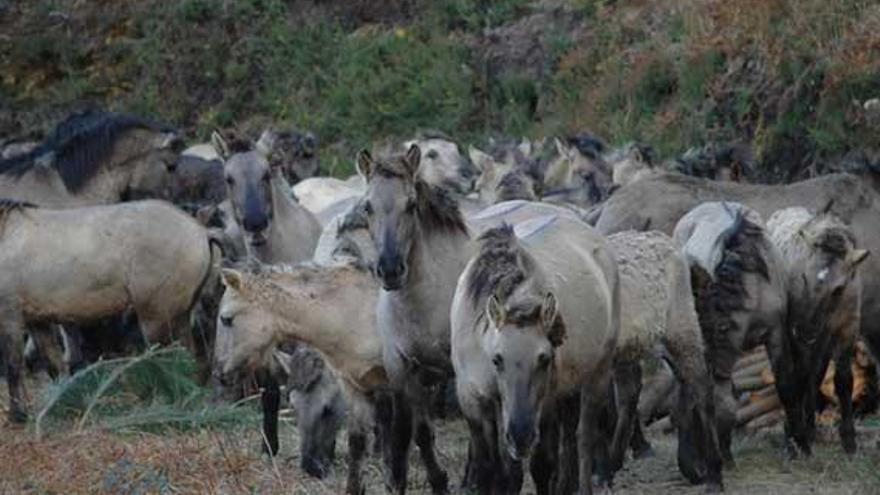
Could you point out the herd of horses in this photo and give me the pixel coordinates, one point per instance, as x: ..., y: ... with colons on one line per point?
x: 535, y: 279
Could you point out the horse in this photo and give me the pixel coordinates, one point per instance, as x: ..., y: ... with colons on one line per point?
x: 276, y: 229
x: 535, y: 320
x: 662, y: 200
x: 740, y: 288
x: 278, y: 305
x: 825, y: 293
x: 94, y: 157
x: 579, y: 175
x: 422, y: 243
x: 82, y: 264
x: 658, y: 314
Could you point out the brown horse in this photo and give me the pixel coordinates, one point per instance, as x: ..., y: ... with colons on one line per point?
x: 93, y: 158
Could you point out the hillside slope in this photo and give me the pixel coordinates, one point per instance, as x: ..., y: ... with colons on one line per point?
x: 791, y: 77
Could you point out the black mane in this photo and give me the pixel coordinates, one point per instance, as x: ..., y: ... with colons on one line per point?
x: 80, y: 144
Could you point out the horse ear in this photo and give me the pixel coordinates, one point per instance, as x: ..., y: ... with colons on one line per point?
x: 495, y: 311
x: 364, y: 164
x: 857, y: 257
x: 412, y: 159
x: 232, y: 279
x: 561, y: 147
x: 220, y: 145
x: 525, y: 147
x: 827, y: 209
x: 551, y: 321
x: 266, y: 143
x: 480, y: 159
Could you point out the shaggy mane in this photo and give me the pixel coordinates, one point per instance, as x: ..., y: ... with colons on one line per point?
x: 500, y: 267
x: 716, y: 299
x: 80, y: 144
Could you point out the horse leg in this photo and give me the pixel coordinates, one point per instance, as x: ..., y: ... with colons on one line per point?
x: 425, y: 440
x: 46, y: 340
x: 790, y: 391
x: 12, y: 349
x: 569, y: 414
x: 546, y: 457
x: 592, y: 445
x: 479, y: 474
x: 725, y: 418
x: 628, y: 377
x: 270, y: 400
x: 843, y: 385
x: 397, y: 434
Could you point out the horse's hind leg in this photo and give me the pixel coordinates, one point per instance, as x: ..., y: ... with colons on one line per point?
x: 425, y: 440
x: 843, y: 385
x: 46, y: 338
x: 12, y: 348
x: 628, y: 377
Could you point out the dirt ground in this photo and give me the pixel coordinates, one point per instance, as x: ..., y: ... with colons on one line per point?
x: 229, y: 462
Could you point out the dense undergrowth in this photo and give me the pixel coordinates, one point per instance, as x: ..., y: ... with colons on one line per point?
x: 788, y: 76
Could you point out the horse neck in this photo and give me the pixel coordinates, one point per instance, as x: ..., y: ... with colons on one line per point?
x: 338, y: 324
x: 436, y: 261
x: 292, y: 223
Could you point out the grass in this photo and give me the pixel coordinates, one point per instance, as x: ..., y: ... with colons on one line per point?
x: 154, y: 392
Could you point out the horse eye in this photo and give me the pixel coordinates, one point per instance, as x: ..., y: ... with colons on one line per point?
x: 498, y: 361
x: 543, y: 361
x: 226, y: 321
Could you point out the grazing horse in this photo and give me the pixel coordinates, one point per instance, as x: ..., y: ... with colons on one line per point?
x: 94, y: 157
x: 330, y: 308
x: 825, y: 295
x: 740, y: 288
x: 535, y: 321
x: 276, y: 229
x: 82, y: 264
x: 658, y: 314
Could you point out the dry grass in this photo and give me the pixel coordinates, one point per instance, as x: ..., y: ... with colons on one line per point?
x: 228, y: 461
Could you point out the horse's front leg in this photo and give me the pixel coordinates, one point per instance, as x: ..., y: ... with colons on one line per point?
x: 425, y: 440
x: 12, y: 348
x: 843, y: 386
x: 270, y: 400
x: 396, y: 437
x: 545, y: 460
x: 592, y: 444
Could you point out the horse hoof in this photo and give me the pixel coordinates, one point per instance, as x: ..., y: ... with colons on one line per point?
x: 17, y: 416
x: 713, y: 488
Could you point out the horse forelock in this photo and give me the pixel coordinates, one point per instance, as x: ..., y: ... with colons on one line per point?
x: 80, y: 144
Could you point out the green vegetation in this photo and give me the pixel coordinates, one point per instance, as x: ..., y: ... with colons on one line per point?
x: 785, y: 75
x: 150, y: 392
